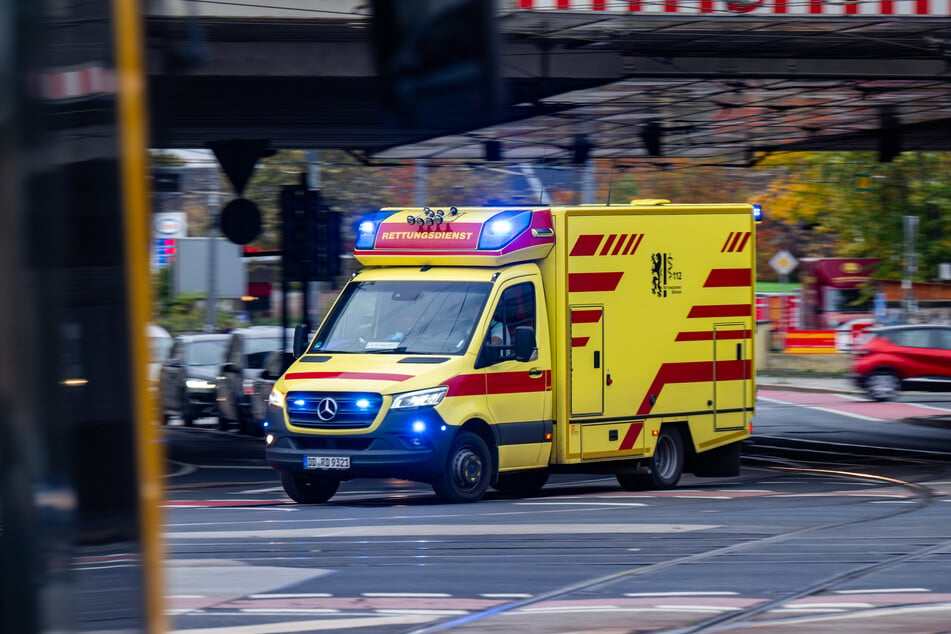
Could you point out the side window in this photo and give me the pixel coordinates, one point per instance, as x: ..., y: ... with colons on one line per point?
x: 914, y: 338
x: 516, y: 308
x: 943, y: 339
x: 176, y: 351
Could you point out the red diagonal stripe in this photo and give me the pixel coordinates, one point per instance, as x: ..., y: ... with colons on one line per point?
x: 729, y: 277
x: 693, y: 372
x: 579, y: 342
x: 585, y: 282
x: 635, y: 241
x: 720, y: 310
x: 742, y: 244
x: 726, y: 245
x: 586, y: 245
x: 607, y: 244
x: 590, y: 316
x: 619, y: 245
x: 354, y: 376
x: 631, y: 436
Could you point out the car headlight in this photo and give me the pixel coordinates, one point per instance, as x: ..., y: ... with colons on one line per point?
x: 199, y: 384
x: 276, y: 398
x: 421, y: 398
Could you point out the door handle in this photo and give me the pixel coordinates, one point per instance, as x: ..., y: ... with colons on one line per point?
x: 534, y: 373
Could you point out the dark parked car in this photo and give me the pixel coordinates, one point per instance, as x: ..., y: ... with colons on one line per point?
x: 910, y: 357
x: 275, y: 365
x: 243, y: 363
x: 187, y: 377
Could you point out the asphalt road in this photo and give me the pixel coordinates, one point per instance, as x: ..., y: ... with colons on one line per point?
x: 818, y: 533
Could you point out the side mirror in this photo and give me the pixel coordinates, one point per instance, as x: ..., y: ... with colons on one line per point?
x: 524, y: 343
x: 300, y: 339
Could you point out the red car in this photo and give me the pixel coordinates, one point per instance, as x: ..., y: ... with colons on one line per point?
x: 895, y: 358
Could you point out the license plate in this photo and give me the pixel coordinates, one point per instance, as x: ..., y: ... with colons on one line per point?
x: 326, y: 462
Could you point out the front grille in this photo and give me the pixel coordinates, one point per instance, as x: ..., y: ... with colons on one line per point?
x: 332, y: 410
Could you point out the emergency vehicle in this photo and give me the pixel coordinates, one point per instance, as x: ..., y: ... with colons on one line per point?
x: 626, y: 348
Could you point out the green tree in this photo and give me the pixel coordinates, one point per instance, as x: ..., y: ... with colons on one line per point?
x: 818, y: 190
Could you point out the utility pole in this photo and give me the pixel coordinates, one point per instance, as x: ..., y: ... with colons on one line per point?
x: 211, y: 316
x: 909, y: 304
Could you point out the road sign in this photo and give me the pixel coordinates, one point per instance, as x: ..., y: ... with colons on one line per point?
x: 783, y: 262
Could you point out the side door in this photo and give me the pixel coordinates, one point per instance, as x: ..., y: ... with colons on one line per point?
x: 229, y: 378
x: 587, y: 360
x: 171, y: 382
x: 518, y: 393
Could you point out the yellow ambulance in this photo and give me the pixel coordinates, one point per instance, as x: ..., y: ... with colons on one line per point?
x: 493, y: 346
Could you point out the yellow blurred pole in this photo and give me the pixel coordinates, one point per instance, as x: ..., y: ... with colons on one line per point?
x: 127, y: 25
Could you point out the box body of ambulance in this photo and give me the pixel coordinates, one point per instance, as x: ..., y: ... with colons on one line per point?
x: 487, y: 347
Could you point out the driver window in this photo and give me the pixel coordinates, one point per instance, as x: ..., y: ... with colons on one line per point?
x: 516, y: 308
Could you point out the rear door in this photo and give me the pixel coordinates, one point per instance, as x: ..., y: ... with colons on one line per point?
x: 587, y: 360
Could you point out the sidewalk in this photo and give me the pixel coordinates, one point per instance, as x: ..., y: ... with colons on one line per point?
x: 812, y: 383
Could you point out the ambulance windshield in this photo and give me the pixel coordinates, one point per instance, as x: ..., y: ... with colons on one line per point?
x: 403, y: 317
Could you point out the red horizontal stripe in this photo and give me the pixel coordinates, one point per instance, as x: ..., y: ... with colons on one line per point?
x: 497, y: 383
x: 579, y: 342
x: 693, y: 372
x: 586, y: 316
x: 707, y: 335
x: 355, y: 376
x: 586, y: 245
x: 721, y: 310
x: 588, y: 282
x: 729, y: 277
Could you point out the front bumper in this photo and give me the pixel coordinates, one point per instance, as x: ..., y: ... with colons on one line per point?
x: 392, y: 450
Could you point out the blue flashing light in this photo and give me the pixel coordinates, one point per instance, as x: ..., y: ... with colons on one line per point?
x: 504, y: 227
x: 757, y: 213
x: 442, y: 428
x: 418, y: 427
x: 300, y: 402
x: 266, y: 424
x: 362, y: 403
x: 367, y: 229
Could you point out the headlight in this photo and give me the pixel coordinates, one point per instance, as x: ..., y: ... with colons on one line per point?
x: 420, y: 398
x: 199, y: 384
x: 276, y: 398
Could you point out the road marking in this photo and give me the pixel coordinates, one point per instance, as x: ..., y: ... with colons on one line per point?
x: 299, y: 595
x: 881, y: 590
x: 416, y: 595
x: 512, y: 595
x: 415, y: 530
x: 701, y: 593
x: 579, y: 503
x: 314, y: 626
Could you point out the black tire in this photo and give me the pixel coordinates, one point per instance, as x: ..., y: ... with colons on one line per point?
x: 223, y: 423
x: 188, y: 415
x: 308, y: 489
x: 883, y: 385
x: 665, y: 466
x: 468, y: 470
x: 522, y: 483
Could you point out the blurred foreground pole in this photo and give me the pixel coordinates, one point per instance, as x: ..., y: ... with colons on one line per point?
x: 79, y: 461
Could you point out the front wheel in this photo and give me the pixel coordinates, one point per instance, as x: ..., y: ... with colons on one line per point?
x: 883, y: 385
x: 664, y: 467
x: 468, y: 470
x: 308, y: 489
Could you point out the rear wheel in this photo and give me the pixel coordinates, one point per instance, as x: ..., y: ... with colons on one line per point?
x: 188, y: 415
x: 522, y: 483
x: 468, y: 470
x: 883, y: 385
x: 308, y: 489
x: 665, y: 466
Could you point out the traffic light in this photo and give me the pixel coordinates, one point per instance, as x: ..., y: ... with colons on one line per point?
x: 311, y: 236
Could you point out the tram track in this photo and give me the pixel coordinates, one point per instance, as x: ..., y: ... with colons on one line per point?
x: 780, y: 459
